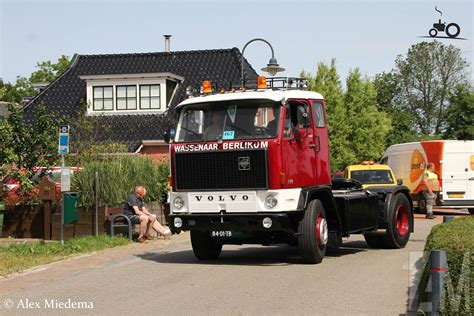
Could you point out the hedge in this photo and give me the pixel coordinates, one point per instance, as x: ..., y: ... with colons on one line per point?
x: 117, y: 178
x: 457, y: 239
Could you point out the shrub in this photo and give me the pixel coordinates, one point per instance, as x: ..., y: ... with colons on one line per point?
x: 457, y: 239
x: 117, y: 178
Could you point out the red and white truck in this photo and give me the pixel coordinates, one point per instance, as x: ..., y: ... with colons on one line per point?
x: 252, y: 166
x: 454, y: 164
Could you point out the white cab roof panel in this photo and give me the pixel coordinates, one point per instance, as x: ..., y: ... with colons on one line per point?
x: 274, y: 95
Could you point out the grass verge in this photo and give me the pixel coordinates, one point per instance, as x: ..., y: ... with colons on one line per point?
x: 18, y: 257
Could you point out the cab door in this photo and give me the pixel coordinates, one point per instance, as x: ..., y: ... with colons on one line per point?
x: 320, y: 144
x: 298, y: 154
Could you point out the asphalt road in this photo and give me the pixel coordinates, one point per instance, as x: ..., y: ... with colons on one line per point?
x: 353, y: 280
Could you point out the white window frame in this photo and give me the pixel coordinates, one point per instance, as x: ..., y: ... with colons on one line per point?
x: 129, y: 80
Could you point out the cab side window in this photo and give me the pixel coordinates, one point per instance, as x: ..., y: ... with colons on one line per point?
x: 319, y: 120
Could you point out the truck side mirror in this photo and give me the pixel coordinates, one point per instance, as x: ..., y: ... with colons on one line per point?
x: 399, y: 181
x: 169, y: 135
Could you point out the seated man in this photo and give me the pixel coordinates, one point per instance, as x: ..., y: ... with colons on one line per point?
x: 138, y: 214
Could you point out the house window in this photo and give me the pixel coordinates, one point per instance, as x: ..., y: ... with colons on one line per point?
x: 103, y: 98
x: 150, y: 96
x: 127, y: 97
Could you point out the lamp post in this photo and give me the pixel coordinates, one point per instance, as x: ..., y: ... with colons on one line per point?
x: 272, y: 67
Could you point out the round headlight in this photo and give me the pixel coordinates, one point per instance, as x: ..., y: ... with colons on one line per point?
x: 267, y: 222
x: 178, y: 202
x: 178, y: 222
x: 270, y: 201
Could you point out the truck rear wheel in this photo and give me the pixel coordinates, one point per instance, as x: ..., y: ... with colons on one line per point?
x: 204, y: 247
x: 313, y: 233
x: 398, y: 229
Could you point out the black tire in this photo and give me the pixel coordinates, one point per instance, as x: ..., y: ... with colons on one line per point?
x: 471, y: 211
x: 311, y: 247
x: 396, y: 234
x: 453, y: 35
x: 398, y: 229
x: 433, y: 32
x: 421, y: 203
x: 204, y: 247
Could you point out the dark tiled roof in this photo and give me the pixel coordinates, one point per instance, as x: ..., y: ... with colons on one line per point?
x: 64, y: 95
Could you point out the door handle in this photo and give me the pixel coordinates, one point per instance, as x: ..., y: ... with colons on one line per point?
x: 472, y: 178
x: 312, y: 145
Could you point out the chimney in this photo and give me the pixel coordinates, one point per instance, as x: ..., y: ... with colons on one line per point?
x: 167, y: 43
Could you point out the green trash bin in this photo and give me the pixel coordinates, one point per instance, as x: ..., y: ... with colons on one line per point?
x: 71, y: 212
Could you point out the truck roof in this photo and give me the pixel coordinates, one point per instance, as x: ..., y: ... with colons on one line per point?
x: 274, y: 95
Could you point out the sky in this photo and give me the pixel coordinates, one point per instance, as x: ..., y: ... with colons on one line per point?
x: 360, y: 34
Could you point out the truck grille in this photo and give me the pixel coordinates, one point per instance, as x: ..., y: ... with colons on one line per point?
x: 221, y: 170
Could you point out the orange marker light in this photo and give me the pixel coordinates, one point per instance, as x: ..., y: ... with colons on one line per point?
x: 262, y: 82
x: 206, y: 87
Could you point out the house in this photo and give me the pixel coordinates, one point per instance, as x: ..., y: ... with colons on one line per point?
x: 134, y: 94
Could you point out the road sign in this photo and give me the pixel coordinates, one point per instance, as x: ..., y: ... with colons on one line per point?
x: 64, y: 140
x: 65, y: 179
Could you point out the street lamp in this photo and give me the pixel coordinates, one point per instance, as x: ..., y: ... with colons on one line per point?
x: 272, y: 67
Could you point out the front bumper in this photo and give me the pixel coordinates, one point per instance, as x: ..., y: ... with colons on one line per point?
x: 236, y: 222
x: 244, y: 228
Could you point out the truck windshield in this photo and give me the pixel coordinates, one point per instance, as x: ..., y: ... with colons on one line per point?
x: 228, y: 120
x: 372, y: 176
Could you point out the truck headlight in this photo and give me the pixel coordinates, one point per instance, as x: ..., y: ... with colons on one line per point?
x: 270, y: 201
x: 178, y: 202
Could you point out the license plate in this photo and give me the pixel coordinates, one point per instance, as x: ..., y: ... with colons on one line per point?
x: 221, y: 233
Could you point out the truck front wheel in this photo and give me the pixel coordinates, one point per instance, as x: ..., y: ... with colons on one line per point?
x: 204, y: 247
x: 313, y: 233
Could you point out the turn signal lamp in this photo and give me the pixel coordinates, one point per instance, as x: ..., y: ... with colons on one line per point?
x: 206, y: 87
x: 262, y: 82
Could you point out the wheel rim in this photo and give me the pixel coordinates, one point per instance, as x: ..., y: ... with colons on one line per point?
x: 402, y: 220
x: 322, y: 231
x: 422, y: 204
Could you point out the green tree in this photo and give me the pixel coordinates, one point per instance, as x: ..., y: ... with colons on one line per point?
x: 427, y: 75
x: 357, y: 130
x: 369, y: 126
x: 460, y: 118
x: 388, y: 90
x: 29, y: 146
x: 48, y: 71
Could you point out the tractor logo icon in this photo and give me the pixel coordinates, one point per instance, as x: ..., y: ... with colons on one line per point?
x: 452, y: 29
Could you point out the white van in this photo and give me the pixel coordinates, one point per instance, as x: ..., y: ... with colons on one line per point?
x: 454, y: 164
